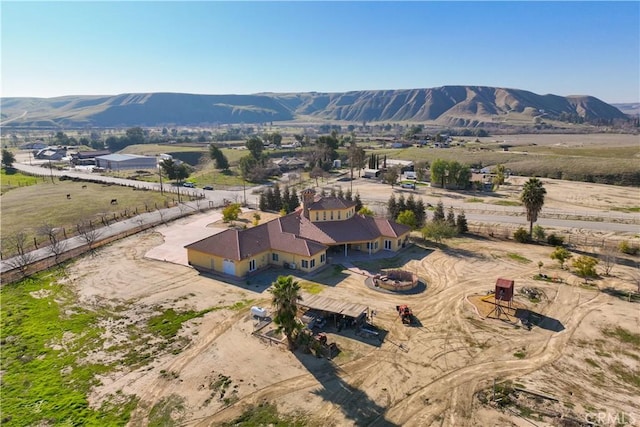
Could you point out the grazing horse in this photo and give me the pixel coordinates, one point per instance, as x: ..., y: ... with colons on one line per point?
x: 68, y: 196
x: 114, y: 201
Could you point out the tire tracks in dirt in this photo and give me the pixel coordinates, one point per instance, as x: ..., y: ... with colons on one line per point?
x: 458, y: 387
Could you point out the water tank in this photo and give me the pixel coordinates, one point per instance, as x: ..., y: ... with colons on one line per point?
x: 258, y: 311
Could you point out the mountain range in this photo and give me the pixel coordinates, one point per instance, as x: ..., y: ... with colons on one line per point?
x: 452, y: 106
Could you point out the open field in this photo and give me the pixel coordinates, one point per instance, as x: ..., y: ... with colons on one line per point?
x: 27, y: 209
x: 178, y: 345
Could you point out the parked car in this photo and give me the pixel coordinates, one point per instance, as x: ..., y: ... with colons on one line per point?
x: 207, y: 187
x: 189, y: 184
x: 408, y: 185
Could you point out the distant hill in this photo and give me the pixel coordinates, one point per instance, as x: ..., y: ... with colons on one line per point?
x: 460, y: 106
x: 632, y: 109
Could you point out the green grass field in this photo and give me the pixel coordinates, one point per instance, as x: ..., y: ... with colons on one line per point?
x: 45, y: 336
x: 13, y: 179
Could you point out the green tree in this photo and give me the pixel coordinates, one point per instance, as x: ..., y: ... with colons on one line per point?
x: 286, y: 295
x: 294, y: 201
x: 438, y: 213
x: 135, y: 135
x: 561, y: 255
x: 365, y: 211
x: 585, y: 267
x: 533, y: 199
x: 231, y: 212
x: 498, y: 176
x: 218, y: 156
x: 407, y: 218
x: 438, y: 230
x: 356, y: 199
x: 421, y: 169
x: 539, y: 233
x: 451, y: 217
x: 247, y: 164
x: 461, y: 223
x: 391, y: 176
x: 392, y: 208
x: 439, y: 171
x: 357, y: 158
x: 255, y: 146
x: 8, y: 159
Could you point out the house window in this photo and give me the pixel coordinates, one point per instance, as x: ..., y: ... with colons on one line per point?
x: 305, y: 263
x: 332, y: 215
x: 323, y: 257
x: 375, y: 245
x: 316, y: 216
x: 274, y: 257
x: 252, y: 265
x: 324, y: 216
x: 398, y: 242
x: 339, y: 216
x: 313, y: 263
x: 387, y: 244
x: 368, y: 245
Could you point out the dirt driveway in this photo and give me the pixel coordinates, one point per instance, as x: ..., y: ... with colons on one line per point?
x: 425, y: 375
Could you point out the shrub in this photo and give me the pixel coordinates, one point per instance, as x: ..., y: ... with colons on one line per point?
x: 626, y: 248
x: 554, y: 240
x: 521, y: 235
x: 539, y: 233
x: 561, y: 255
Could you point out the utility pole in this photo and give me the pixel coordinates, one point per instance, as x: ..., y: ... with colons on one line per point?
x: 244, y: 191
x: 51, y: 171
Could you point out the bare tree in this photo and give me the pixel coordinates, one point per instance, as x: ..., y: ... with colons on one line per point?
x: 88, y: 233
x: 23, y: 258
x: 608, y: 257
x: 162, y: 216
x: 56, y: 245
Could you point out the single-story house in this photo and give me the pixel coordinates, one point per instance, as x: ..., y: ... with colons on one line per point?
x: 289, y: 163
x: 126, y: 161
x: 51, y: 153
x: 300, y: 240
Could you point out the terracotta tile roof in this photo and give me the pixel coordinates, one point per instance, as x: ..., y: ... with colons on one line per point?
x: 325, y: 203
x: 296, y: 234
x: 358, y: 228
x: 225, y: 244
x: 241, y: 244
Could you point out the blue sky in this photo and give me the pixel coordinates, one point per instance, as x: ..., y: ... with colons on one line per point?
x: 77, y: 48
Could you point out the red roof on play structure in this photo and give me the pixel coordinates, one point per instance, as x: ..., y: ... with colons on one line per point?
x: 504, y: 283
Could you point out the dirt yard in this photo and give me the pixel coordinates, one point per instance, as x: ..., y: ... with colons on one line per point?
x: 423, y: 375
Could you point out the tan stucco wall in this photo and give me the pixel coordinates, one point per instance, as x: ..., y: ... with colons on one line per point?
x: 342, y: 213
x: 213, y: 262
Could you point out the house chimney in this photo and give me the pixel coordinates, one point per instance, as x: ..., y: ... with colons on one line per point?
x: 307, y: 199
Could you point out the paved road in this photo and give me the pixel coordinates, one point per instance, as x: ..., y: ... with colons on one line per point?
x: 484, y: 214
x: 477, y: 212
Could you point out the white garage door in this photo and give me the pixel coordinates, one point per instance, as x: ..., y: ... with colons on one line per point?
x: 229, y: 267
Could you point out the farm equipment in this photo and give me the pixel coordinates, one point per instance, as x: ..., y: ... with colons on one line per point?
x: 405, y: 314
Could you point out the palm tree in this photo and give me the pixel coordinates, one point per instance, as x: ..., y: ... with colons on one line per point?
x: 533, y: 198
x: 285, y: 300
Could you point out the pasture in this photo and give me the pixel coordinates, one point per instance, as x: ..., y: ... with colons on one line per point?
x: 27, y: 209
